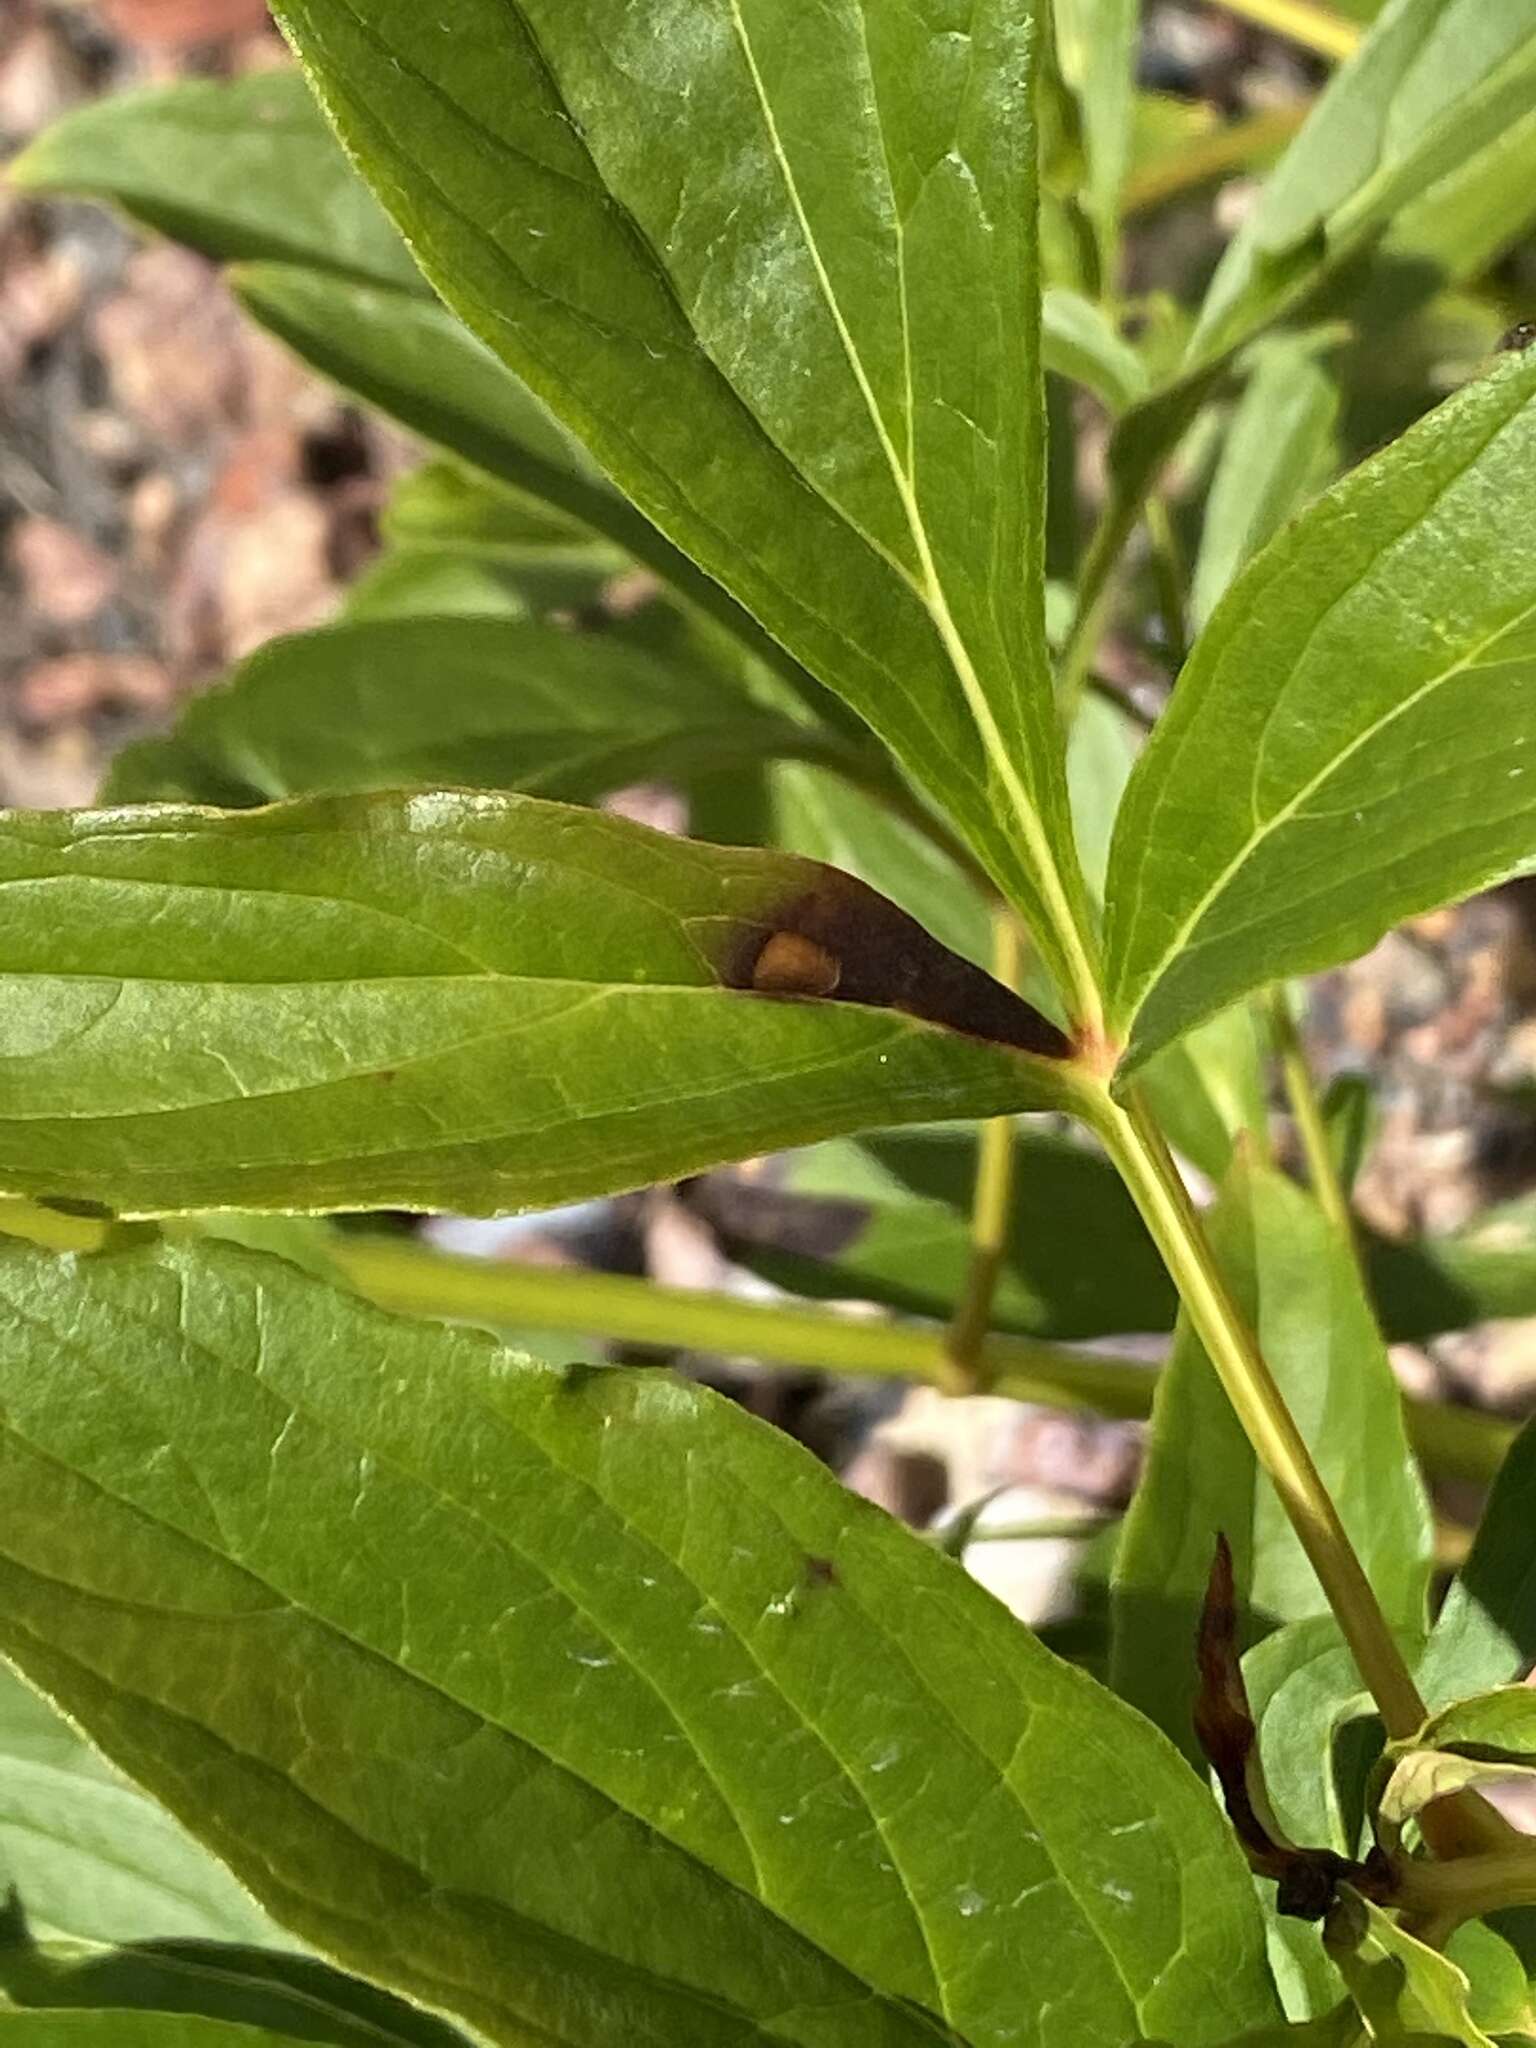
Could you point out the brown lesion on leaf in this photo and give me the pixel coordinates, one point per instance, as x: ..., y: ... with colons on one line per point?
x: 840, y: 941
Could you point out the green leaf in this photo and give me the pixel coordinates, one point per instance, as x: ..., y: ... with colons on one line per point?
x: 134, y: 2030
x: 1297, y: 1285
x: 1082, y: 342
x: 459, y: 543
x: 1485, y: 1634
x: 451, y: 504
x: 1307, y: 1697
x: 482, y: 703
x: 1433, y: 84
x: 412, y: 359
x: 245, y: 169
x: 1399, y: 1984
x: 1473, y: 1742
x: 1341, y: 2029
x: 1277, y: 450
x: 89, y: 1856
x: 1211, y: 1087
x: 1468, y: 220
x: 452, y: 583
x: 825, y: 818
x: 415, y: 361
x: 456, y: 1000
x: 1497, y: 1726
x: 1096, y: 43
x: 634, y: 1726
x: 760, y: 340
x: 1078, y: 1262
x: 1276, y: 823
x: 1428, y: 1774
x: 294, y: 1997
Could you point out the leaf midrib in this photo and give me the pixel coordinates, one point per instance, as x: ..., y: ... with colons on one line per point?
x: 929, y: 587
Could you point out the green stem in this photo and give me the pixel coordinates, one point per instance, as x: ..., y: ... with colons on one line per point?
x: 992, y: 1208
x: 1169, y: 576
x: 1146, y: 1166
x: 1094, y: 590
x: 1439, y: 1896
x: 414, y: 1280
x: 1307, y: 1111
x: 1202, y: 159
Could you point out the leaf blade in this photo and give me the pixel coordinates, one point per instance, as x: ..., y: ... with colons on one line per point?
x: 1409, y: 577
x: 454, y: 702
x: 455, y: 1000
x: 592, y: 1605
x: 782, y: 267
x: 241, y: 170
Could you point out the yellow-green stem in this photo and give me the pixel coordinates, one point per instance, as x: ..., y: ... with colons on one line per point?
x: 413, y: 1279
x: 1307, y: 1113
x: 1437, y: 1897
x: 1145, y: 1164
x: 1233, y: 146
x: 1301, y: 21
x: 992, y: 1206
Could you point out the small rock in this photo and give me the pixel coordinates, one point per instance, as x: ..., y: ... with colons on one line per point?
x: 74, y: 686
x: 912, y: 1485
x: 64, y: 577
x: 182, y: 24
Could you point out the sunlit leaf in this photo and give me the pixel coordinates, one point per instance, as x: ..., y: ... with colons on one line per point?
x: 457, y: 1000
x: 637, y: 1727
x: 1276, y: 823
x: 760, y: 342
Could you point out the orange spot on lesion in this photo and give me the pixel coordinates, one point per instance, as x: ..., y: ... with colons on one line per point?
x: 792, y: 965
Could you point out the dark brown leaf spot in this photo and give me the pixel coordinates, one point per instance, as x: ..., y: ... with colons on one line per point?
x: 882, y: 958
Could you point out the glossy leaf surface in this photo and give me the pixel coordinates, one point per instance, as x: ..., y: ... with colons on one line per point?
x: 1277, y: 823
x: 637, y: 1728
x: 478, y: 1002
x: 468, y: 702
x: 1298, y: 1287
x: 760, y: 341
